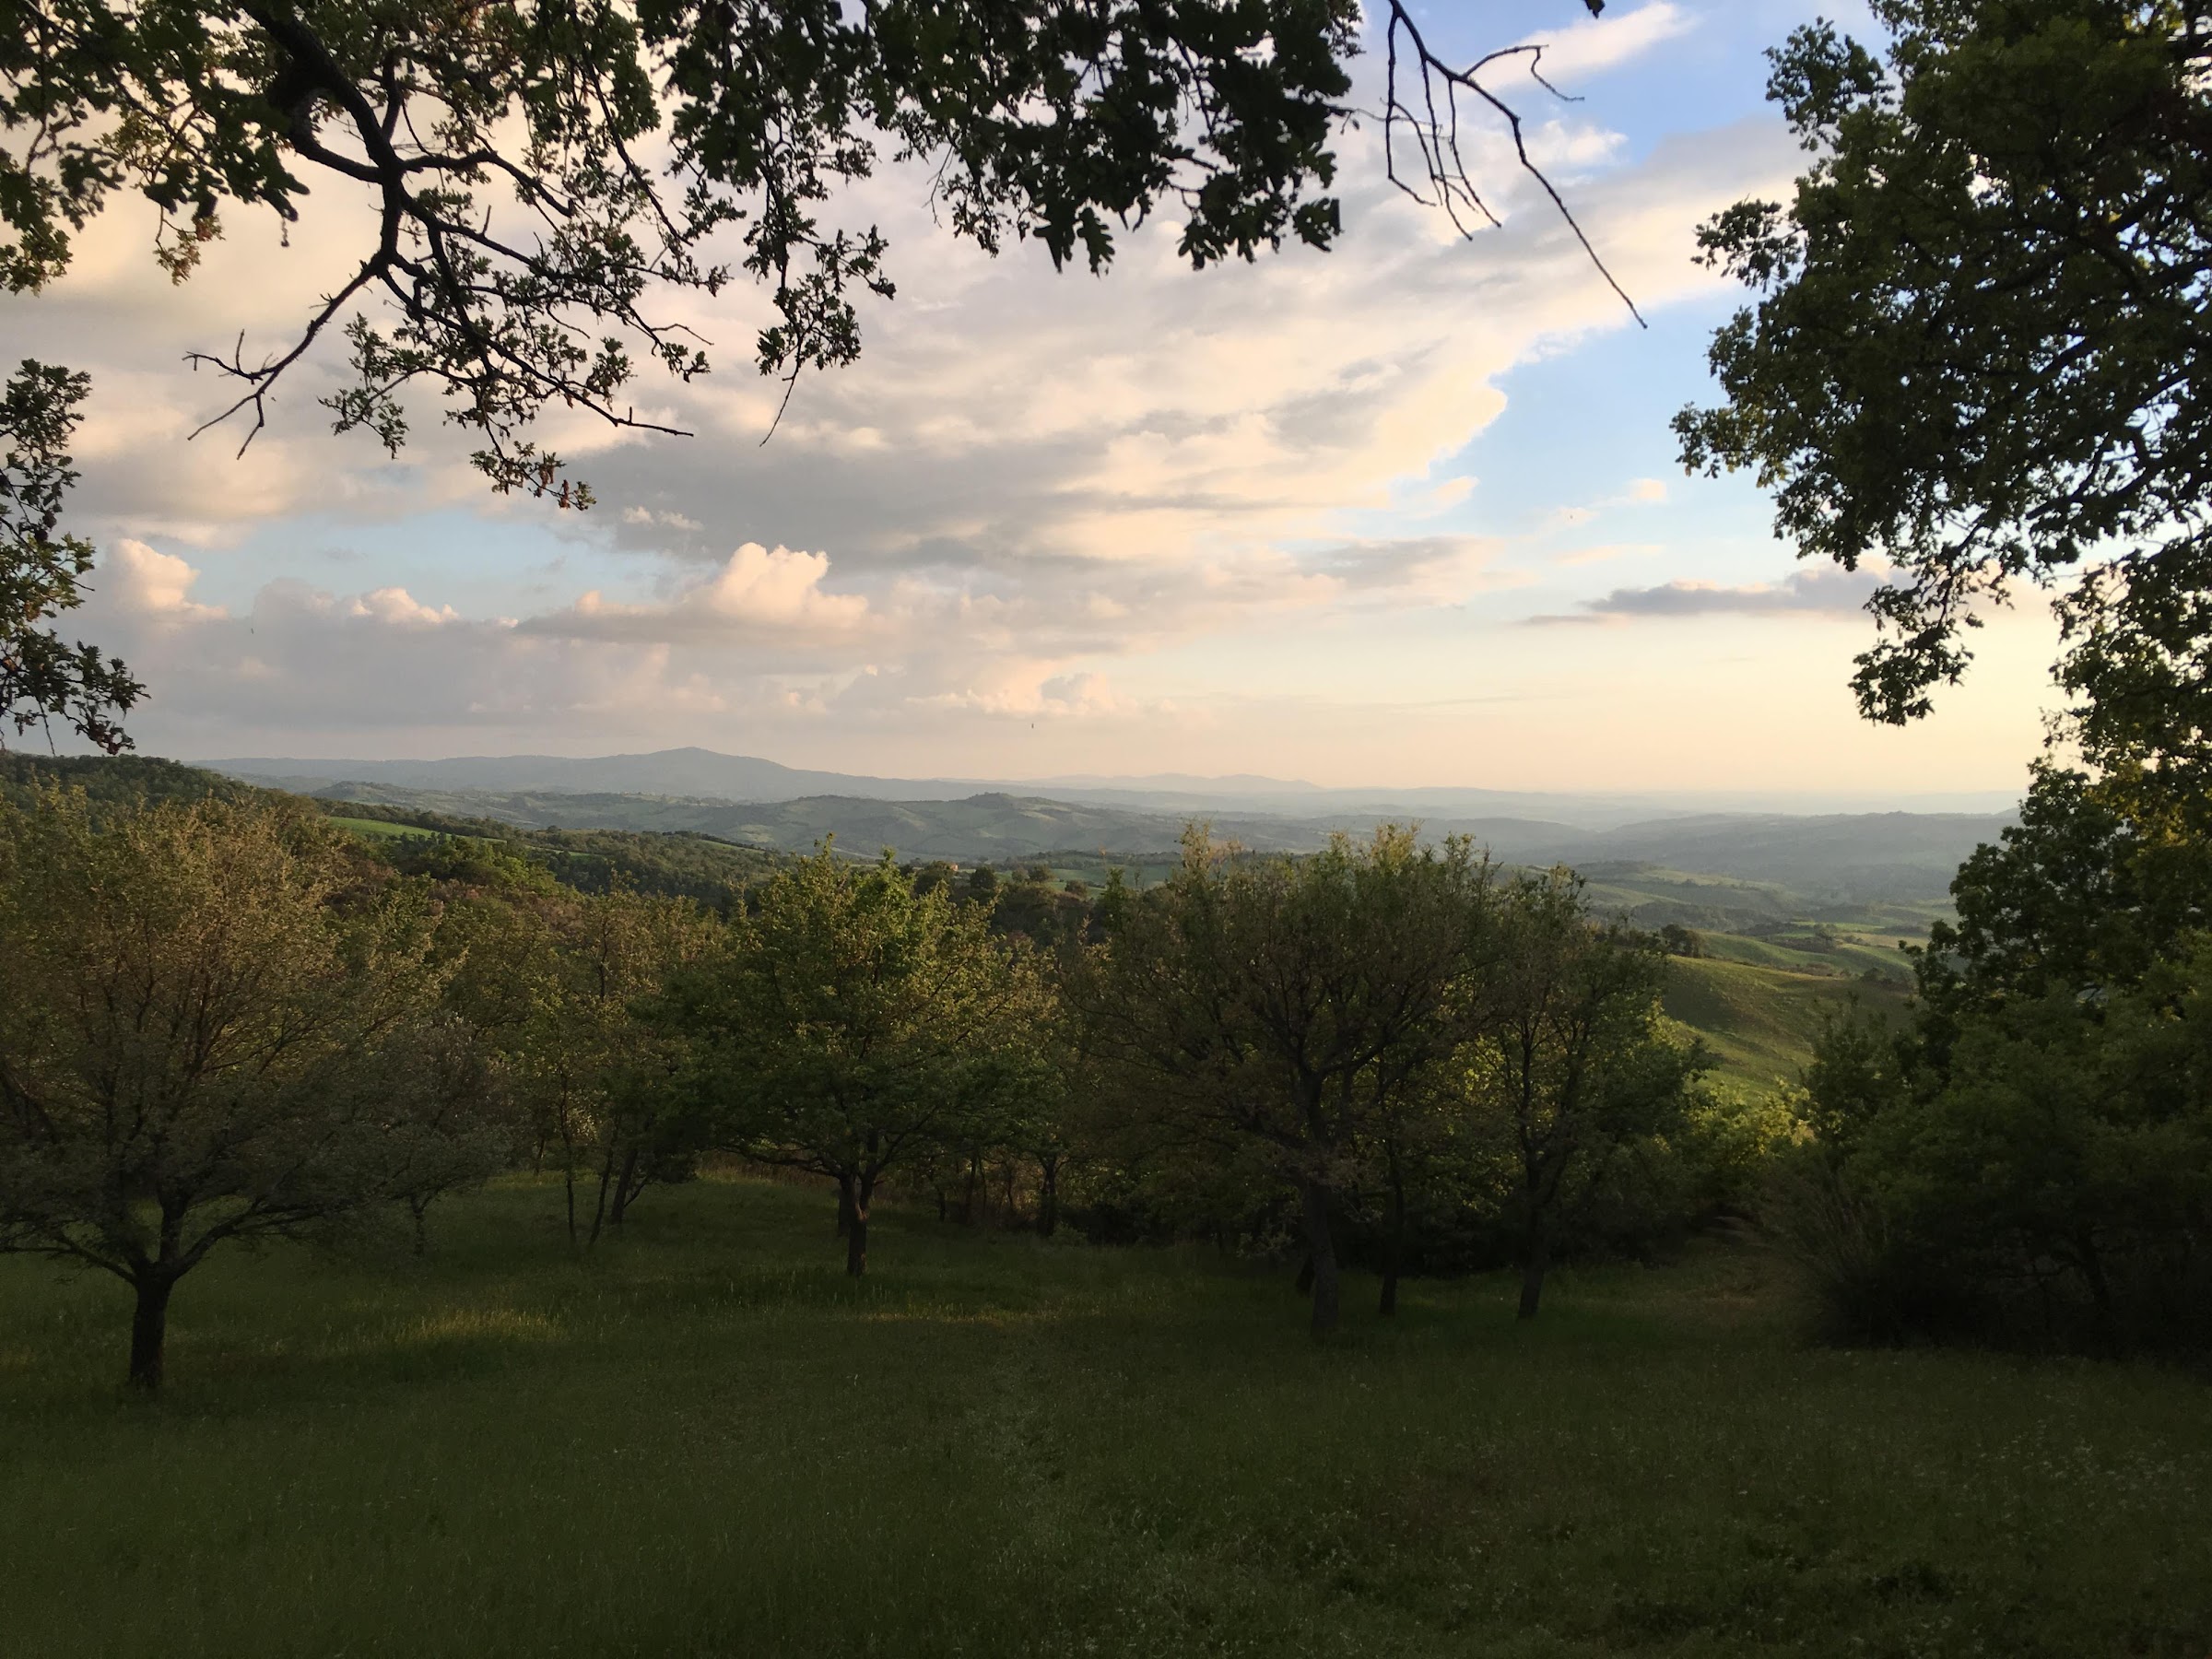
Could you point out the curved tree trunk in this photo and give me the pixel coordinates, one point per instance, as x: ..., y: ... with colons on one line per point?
x: 844, y: 1206
x: 149, y: 1330
x: 1322, y: 1250
x: 856, y: 1238
x: 627, y: 1188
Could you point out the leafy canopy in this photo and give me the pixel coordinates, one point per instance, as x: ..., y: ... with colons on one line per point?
x: 1974, y: 358
x: 542, y: 170
x: 42, y: 571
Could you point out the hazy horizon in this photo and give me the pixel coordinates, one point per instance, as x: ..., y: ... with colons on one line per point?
x: 1227, y: 787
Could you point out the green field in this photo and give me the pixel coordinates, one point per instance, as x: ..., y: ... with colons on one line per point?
x: 1760, y: 1021
x: 705, y: 1441
x: 379, y: 830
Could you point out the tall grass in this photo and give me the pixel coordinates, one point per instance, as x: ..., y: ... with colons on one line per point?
x: 705, y: 1441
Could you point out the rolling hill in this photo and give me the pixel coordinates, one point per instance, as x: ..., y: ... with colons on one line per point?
x: 1760, y: 1022
x: 1708, y: 866
x: 1777, y: 960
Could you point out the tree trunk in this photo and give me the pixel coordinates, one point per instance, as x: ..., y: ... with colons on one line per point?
x: 420, y: 1208
x: 844, y: 1206
x: 626, y: 1187
x: 606, y: 1180
x: 1536, y: 1261
x: 2100, y: 1291
x: 568, y: 1181
x: 856, y: 1242
x: 1394, y: 1248
x: 1048, y: 1195
x: 967, y: 1194
x: 1304, y: 1283
x: 1322, y: 1251
x: 149, y: 1332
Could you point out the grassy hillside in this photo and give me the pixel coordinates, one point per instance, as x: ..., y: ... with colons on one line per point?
x: 1760, y: 1021
x: 678, y: 861
x: 109, y: 782
x: 702, y: 1440
x: 673, y: 862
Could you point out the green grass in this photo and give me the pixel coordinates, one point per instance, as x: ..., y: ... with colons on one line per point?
x: 1809, y: 952
x: 1760, y: 1021
x: 380, y: 829
x: 704, y: 1442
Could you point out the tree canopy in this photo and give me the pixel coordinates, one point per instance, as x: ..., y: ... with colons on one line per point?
x: 1973, y: 363
x: 211, y: 1030
x: 545, y: 172
x: 1281, y: 1008
x: 43, y: 676
x: 854, y: 1023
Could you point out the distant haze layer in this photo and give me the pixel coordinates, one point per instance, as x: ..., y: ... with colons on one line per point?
x: 704, y: 774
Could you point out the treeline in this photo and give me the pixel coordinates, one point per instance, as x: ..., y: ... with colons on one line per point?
x: 223, y: 1019
x: 2028, y: 1161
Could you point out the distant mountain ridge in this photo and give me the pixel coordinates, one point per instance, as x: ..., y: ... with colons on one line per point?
x: 1859, y: 857
x: 704, y: 774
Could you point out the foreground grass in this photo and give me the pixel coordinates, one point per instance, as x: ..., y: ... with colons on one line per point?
x: 703, y: 1441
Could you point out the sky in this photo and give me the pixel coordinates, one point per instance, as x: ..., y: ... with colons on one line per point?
x: 1407, y: 512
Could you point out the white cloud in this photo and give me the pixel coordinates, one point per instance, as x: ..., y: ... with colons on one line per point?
x: 1591, y: 45
x: 759, y: 593
x: 151, y: 585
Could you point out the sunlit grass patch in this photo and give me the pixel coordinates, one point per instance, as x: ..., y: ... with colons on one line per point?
x: 473, y: 1324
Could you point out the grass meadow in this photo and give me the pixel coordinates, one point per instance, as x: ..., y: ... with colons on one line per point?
x: 703, y: 1441
x: 1760, y: 1021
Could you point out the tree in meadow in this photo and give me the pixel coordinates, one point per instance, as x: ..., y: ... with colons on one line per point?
x: 564, y: 986
x: 853, y: 1026
x: 1272, y: 1006
x: 1567, y: 1064
x: 2029, y: 1158
x: 210, y: 1025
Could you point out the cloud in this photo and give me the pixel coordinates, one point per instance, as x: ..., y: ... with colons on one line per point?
x: 152, y: 585
x: 1027, y: 480
x: 758, y: 593
x: 1604, y: 553
x: 1822, y: 591
x: 1030, y: 691
x: 1595, y: 45
x: 1442, y: 569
